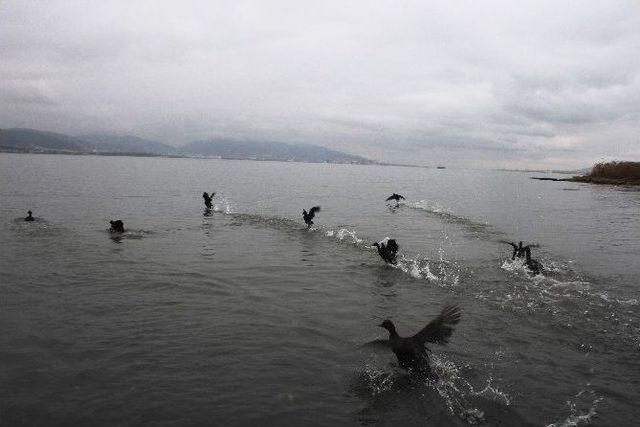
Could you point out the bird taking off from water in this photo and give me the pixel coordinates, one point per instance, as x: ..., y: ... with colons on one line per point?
x: 396, y: 197
x: 308, y: 216
x: 117, y: 226
x: 388, y: 250
x: 207, y: 199
x: 519, y: 251
x: 411, y: 352
x: 29, y: 216
x: 534, y: 266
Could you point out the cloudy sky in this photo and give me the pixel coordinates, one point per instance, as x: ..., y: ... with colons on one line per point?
x: 471, y: 84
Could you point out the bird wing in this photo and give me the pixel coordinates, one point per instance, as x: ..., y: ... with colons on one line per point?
x: 392, y: 245
x: 379, y: 343
x: 440, y: 329
x: 508, y: 243
x: 401, y: 197
x: 313, y: 210
x: 533, y: 245
x: 390, y: 198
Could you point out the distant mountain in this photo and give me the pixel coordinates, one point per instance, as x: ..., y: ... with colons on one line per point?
x: 114, y: 143
x: 259, y: 150
x: 31, y: 140
x: 35, y: 140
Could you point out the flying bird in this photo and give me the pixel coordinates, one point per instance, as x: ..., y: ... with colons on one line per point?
x: 411, y: 352
x: 117, y: 226
x: 308, y: 216
x: 388, y: 250
x: 29, y: 216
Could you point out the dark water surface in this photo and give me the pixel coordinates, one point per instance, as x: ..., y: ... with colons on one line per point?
x: 246, y: 318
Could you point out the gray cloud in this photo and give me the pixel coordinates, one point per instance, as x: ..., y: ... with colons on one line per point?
x: 539, y: 84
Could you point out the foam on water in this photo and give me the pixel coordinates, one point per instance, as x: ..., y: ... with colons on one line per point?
x: 582, y: 409
x: 344, y: 234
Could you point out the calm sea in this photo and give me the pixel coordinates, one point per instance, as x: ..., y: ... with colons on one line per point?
x: 244, y: 317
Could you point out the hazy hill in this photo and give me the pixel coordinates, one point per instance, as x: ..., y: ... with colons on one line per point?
x: 114, y: 143
x: 31, y: 140
x: 234, y: 149
x: 35, y: 140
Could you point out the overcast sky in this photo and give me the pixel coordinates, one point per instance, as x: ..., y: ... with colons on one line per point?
x: 477, y: 84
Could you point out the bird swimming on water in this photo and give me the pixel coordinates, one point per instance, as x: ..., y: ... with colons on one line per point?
x: 388, y: 250
x: 411, y: 352
x: 29, y: 216
x: 308, y: 216
x: 117, y: 226
x: 207, y: 199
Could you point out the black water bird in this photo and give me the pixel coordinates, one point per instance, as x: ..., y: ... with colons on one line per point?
x: 29, y: 216
x: 207, y: 199
x: 388, y: 250
x: 117, y: 226
x: 395, y: 197
x: 532, y: 264
x: 519, y: 251
x: 308, y: 216
x: 411, y: 352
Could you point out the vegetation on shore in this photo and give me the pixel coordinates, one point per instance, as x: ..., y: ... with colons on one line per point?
x: 616, y: 172
x: 613, y: 173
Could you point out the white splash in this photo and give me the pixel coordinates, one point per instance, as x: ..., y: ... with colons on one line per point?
x: 345, y: 234
x: 575, y: 418
x: 223, y: 205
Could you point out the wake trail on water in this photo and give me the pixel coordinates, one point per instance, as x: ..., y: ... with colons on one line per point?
x: 441, y: 271
x: 559, y: 289
x: 436, y: 210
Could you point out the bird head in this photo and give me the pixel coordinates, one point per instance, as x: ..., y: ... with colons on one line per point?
x: 388, y: 325
x: 29, y: 212
x: 520, y: 244
x: 376, y: 244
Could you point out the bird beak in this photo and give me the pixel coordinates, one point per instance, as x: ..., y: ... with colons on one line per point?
x: 381, y: 325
